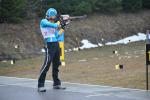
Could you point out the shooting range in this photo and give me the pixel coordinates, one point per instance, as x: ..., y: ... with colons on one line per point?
x: 104, y: 49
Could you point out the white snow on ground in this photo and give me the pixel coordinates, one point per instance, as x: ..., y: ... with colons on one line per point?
x: 134, y: 38
x: 87, y: 44
x: 99, y: 44
x: 43, y: 50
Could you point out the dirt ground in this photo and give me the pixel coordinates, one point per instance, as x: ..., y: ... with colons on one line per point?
x: 92, y: 66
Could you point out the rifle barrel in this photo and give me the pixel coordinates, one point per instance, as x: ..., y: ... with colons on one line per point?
x: 78, y: 17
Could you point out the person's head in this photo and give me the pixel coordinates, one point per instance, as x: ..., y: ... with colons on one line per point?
x: 51, y: 13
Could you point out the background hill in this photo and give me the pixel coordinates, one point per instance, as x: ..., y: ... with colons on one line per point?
x: 97, y: 28
x: 106, y: 21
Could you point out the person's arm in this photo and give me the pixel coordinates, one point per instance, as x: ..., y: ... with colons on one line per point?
x: 46, y: 23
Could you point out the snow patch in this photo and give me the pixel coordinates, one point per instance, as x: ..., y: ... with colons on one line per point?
x: 43, y: 50
x: 87, y: 44
x: 134, y: 38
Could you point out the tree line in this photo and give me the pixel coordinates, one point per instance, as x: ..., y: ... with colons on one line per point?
x: 17, y: 10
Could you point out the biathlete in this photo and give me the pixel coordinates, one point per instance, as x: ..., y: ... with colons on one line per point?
x: 50, y: 31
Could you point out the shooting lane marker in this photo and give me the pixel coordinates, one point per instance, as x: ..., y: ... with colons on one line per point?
x: 115, y: 52
x: 69, y: 50
x: 66, y: 51
x: 63, y: 63
x: 118, y: 66
x: 12, y: 62
x: 16, y: 46
x: 75, y: 49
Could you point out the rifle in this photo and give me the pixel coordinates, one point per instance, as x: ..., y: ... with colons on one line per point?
x: 65, y: 19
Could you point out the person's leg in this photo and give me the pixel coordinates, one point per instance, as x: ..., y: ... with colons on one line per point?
x: 55, y: 69
x: 55, y: 66
x: 43, y: 71
x: 55, y: 72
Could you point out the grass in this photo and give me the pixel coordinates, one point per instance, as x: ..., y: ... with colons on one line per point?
x: 92, y: 66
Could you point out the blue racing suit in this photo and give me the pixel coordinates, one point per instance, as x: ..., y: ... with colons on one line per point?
x: 52, y: 55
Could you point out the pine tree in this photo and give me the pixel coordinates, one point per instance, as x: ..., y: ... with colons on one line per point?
x: 108, y: 6
x: 132, y: 5
x: 12, y: 10
x: 146, y: 4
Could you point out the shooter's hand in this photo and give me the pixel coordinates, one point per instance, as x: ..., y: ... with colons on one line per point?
x: 59, y: 25
x: 66, y: 18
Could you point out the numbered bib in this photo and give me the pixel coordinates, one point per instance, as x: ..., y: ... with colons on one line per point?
x: 48, y: 32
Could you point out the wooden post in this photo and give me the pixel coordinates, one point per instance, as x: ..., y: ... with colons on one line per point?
x: 147, y: 57
x: 147, y: 88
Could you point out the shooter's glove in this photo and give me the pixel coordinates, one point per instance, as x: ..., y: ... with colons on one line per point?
x: 59, y: 25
